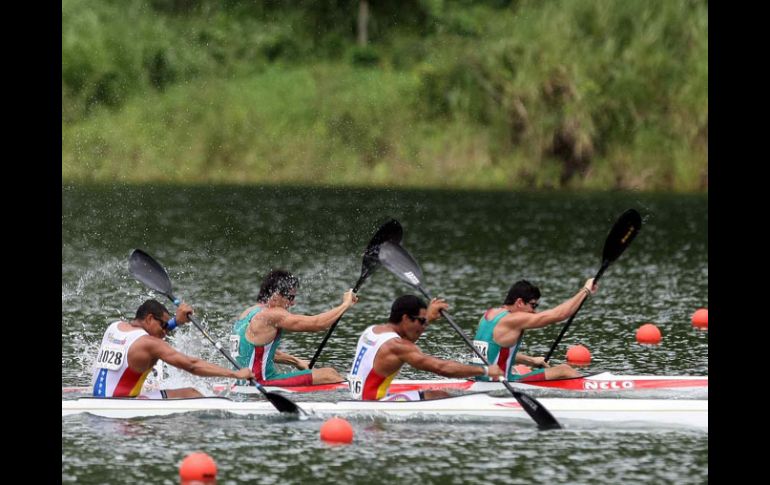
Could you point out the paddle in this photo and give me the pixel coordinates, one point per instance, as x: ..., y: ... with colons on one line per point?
x: 622, y: 233
x: 148, y: 271
x: 399, y: 262
x: 389, y: 231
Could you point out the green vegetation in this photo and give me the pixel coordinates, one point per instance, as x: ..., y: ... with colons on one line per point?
x: 599, y: 94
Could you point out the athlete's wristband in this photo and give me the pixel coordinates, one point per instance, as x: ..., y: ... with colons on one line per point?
x: 486, y: 371
x: 171, y: 324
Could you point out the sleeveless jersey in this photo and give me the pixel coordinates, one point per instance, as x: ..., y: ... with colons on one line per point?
x: 364, y: 382
x: 258, y: 358
x: 504, y: 357
x: 112, y: 377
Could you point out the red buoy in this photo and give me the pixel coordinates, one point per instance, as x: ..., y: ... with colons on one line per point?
x: 700, y: 319
x: 648, y: 334
x: 578, y: 354
x: 337, y: 430
x: 198, y: 466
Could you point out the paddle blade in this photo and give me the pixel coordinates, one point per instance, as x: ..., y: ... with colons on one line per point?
x: 536, y: 411
x: 149, y: 272
x: 399, y: 262
x: 391, y: 231
x: 622, y: 233
x: 281, y: 403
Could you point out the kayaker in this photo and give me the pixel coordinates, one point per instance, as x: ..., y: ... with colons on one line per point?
x: 258, y: 331
x: 500, y: 330
x: 383, y: 349
x: 130, y: 349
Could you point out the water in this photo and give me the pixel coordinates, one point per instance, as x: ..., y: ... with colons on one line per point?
x: 217, y: 243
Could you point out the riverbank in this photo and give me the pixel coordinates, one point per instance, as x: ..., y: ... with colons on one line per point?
x: 524, y: 96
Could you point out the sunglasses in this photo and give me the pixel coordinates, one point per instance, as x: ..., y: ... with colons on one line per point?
x: 533, y: 304
x: 163, y: 325
x: 290, y: 297
x: 422, y: 320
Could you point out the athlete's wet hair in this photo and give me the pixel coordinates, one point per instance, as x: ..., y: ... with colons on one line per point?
x: 522, y: 289
x: 151, y: 307
x: 277, y: 281
x: 405, y: 305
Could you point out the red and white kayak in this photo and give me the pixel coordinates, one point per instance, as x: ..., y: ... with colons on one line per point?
x: 568, y: 411
x: 604, y: 381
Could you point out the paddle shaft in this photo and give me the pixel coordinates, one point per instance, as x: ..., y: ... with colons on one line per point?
x: 331, y: 329
x: 599, y: 274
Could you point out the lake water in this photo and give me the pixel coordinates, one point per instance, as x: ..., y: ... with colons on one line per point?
x: 218, y: 242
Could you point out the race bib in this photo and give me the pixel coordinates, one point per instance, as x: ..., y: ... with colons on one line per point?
x: 235, y: 344
x: 482, y: 347
x: 356, y: 385
x: 111, y: 357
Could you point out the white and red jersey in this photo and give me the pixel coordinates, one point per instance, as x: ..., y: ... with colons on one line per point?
x: 112, y: 376
x: 364, y: 382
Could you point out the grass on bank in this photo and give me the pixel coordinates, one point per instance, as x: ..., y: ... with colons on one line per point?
x: 589, y: 95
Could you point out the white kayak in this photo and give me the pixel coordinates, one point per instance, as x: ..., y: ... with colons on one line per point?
x: 673, y: 412
x: 604, y: 381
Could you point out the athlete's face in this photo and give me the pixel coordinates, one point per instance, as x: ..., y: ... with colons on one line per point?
x: 415, y: 325
x: 287, y: 300
x: 158, y: 327
x: 529, y: 306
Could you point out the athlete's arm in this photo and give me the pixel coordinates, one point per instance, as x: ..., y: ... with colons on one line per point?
x: 284, y: 358
x: 523, y: 320
x: 412, y: 355
x: 311, y: 323
x: 531, y: 361
x: 159, y: 349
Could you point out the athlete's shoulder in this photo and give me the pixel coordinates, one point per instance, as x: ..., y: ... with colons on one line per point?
x: 149, y: 340
x: 399, y: 344
x: 245, y: 313
x: 515, y: 319
x: 271, y: 316
x: 493, y: 313
x: 379, y: 329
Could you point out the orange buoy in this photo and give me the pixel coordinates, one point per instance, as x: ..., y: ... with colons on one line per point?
x: 578, y: 354
x: 337, y: 430
x: 648, y: 334
x: 700, y: 319
x: 198, y: 466
x: 522, y: 369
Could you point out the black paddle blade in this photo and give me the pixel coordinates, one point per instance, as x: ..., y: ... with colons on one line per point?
x: 281, y: 403
x: 399, y: 262
x: 149, y: 272
x: 391, y: 231
x: 536, y: 411
x: 622, y: 233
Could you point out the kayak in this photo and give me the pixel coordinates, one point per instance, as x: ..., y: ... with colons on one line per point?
x: 670, y: 412
x: 604, y: 381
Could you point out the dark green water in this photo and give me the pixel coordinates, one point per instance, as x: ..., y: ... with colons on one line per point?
x: 217, y: 243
